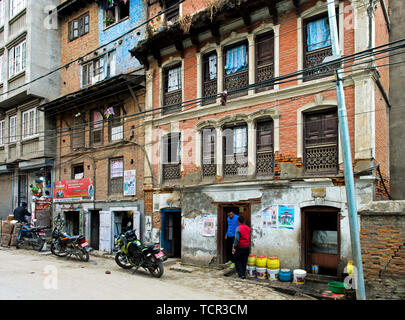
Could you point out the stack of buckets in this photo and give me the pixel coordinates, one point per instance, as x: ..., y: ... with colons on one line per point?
x: 261, y: 262
x: 273, y: 268
x: 251, y: 267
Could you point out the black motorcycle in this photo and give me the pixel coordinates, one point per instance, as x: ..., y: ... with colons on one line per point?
x: 32, y: 236
x: 64, y: 245
x: 132, y: 253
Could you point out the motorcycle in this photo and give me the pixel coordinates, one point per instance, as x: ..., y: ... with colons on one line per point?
x: 132, y: 253
x: 64, y: 245
x: 34, y: 236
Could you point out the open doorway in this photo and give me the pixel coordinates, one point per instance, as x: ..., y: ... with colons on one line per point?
x: 320, y: 241
x: 123, y: 221
x: 94, y: 229
x: 72, y: 219
x: 171, y: 232
x: 238, y: 208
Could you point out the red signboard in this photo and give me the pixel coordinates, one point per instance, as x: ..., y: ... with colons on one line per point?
x: 73, y: 190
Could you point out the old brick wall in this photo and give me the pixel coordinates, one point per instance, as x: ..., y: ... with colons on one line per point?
x: 382, y: 236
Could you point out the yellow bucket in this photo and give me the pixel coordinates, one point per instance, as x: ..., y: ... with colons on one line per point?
x: 273, y: 263
x: 261, y: 273
x: 261, y: 261
x: 251, y: 260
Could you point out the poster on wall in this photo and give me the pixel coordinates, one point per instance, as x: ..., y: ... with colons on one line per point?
x: 129, y: 182
x: 269, y: 217
x: 209, y: 226
x: 69, y: 190
x: 286, y: 217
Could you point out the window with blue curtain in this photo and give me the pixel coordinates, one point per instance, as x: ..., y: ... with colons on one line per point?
x: 240, y: 139
x: 236, y: 59
x: 318, y: 34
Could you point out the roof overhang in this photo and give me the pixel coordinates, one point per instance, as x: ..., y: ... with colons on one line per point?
x: 69, y: 7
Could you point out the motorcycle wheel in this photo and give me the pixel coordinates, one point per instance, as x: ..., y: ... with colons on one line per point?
x: 123, y: 264
x: 83, y: 255
x: 57, y: 250
x: 157, y: 271
x: 18, y: 244
x: 39, y: 245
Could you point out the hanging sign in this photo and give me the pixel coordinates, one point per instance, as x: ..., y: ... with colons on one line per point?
x: 73, y: 190
x: 129, y: 182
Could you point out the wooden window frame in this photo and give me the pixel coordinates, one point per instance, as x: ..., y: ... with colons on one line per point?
x: 93, y: 131
x: 229, y: 169
x: 268, y: 67
x: 82, y: 29
x: 171, y: 164
x: 244, y: 73
x: 172, y: 15
x: 121, y: 178
x: 27, y: 134
x: 264, y: 153
x: 117, y: 10
x: 176, y: 95
x: 209, y: 169
x: 80, y: 133
x: 115, y: 122
x: 208, y: 87
x: 73, y: 169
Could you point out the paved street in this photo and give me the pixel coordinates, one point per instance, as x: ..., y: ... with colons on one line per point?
x: 23, y: 275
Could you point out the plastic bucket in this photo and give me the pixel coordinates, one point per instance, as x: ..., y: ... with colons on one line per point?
x: 299, y: 276
x: 261, y: 261
x: 251, y: 271
x: 315, y: 269
x: 273, y: 274
x: 251, y: 260
x: 261, y: 273
x: 285, y: 275
x: 273, y: 263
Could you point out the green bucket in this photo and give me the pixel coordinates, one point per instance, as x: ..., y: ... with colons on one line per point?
x: 337, y: 287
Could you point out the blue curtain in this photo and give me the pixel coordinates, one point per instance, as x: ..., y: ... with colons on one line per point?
x: 236, y: 59
x: 318, y: 34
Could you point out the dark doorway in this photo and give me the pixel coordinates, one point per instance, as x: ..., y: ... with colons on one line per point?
x: 72, y: 219
x: 240, y: 209
x: 22, y: 189
x: 123, y: 221
x: 94, y: 229
x: 171, y: 232
x: 321, y: 239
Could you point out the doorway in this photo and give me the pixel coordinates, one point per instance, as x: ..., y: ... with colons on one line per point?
x: 72, y: 223
x: 123, y: 221
x: 320, y: 239
x: 94, y: 229
x: 171, y: 232
x: 238, y: 208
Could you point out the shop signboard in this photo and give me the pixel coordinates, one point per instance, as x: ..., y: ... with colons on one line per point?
x: 73, y: 190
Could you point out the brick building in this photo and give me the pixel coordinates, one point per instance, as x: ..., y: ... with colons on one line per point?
x: 99, y: 141
x: 272, y: 152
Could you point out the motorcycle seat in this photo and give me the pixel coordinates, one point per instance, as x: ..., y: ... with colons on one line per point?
x: 149, y: 245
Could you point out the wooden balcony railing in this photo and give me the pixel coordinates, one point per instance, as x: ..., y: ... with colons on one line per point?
x: 171, y: 171
x: 264, y: 73
x: 264, y: 163
x: 314, y: 58
x: 236, y: 164
x: 209, y: 88
x: 321, y: 159
x: 209, y: 167
x: 235, y: 81
x: 174, y: 100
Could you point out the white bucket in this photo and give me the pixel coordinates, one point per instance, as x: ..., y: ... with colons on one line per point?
x: 299, y: 276
x: 261, y: 273
x: 251, y: 271
x: 273, y: 274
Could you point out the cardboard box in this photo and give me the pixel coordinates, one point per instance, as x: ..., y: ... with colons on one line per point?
x: 13, y: 241
x: 17, y: 226
x: 7, y: 227
x: 5, y: 239
x: 10, y: 218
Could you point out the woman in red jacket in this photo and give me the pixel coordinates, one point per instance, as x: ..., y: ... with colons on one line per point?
x: 241, y: 247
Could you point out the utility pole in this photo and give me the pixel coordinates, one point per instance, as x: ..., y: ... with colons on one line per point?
x: 347, y: 158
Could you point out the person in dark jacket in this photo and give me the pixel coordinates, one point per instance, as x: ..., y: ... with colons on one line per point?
x: 20, y: 212
x: 241, y: 247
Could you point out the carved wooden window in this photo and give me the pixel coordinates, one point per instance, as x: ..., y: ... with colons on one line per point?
x: 236, y: 69
x: 209, y: 85
x: 96, y: 127
x: 209, y: 164
x: 235, y: 147
x: 317, y: 46
x: 172, y: 83
x: 171, y: 156
x: 264, y: 59
x: 173, y: 14
x: 78, y: 133
x: 264, y: 147
x: 116, y: 176
x: 321, y: 142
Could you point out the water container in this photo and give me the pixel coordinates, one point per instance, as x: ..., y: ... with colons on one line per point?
x: 273, y: 263
x: 285, y: 275
x: 261, y: 261
x: 273, y: 274
x: 251, y: 260
x: 251, y: 271
x: 299, y: 276
x: 261, y: 273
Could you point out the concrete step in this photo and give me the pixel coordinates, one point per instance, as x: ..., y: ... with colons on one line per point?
x: 178, y: 267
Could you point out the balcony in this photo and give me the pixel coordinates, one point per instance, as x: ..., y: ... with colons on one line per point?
x: 236, y: 165
x: 235, y: 81
x: 321, y: 159
x: 209, y: 167
x: 264, y: 73
x: 171, y: 171
x: 314, y: 58
x: 174, y: 100
x: 209, y: 89
x: 264, y: 163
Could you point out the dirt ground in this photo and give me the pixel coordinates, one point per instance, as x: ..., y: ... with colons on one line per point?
x: 27, y: 274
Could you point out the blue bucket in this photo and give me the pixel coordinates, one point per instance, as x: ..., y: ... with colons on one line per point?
x: 285, y: 275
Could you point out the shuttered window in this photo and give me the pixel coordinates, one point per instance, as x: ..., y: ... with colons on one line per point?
x: 79, y: 27
x: 209, y: 85
x: 321, y: 142
x: 264, y: 59
x: 78, y: 133
x: 209, y: 167
x: 264, y: 148
x: 171, y: 156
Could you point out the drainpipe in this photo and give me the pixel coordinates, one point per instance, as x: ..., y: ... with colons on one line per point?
x: 347, y: 158
x: 386, y: 16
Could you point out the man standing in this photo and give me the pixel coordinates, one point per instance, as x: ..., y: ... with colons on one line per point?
x: 20, y: 212
x: 230, y: 236
x: 241, y: 247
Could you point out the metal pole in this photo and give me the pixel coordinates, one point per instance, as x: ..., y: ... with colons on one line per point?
x: 347, y: 159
